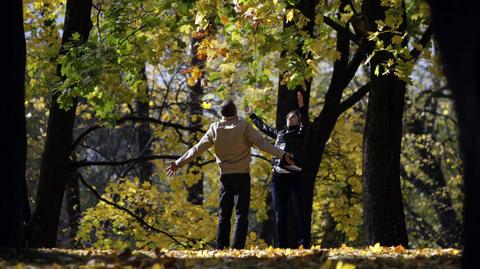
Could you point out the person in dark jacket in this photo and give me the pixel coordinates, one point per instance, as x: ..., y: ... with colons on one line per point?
x: 287, y: 180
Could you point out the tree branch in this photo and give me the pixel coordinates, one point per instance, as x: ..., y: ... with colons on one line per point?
x: 353, y: 65
x: 339, y: 28
x: 354, y: 98
x: 134, y: 119
x: 119, y: 163
x: 423, y: 41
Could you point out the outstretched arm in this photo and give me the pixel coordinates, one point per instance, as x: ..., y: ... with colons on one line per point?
x: 261, y: 125
x: 256, y: 139
x: 205, y: 143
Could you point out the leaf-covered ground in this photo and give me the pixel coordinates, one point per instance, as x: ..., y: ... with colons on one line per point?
x: 341, y: 258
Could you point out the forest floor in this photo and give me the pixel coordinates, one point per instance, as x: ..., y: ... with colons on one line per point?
x: 318, y: 258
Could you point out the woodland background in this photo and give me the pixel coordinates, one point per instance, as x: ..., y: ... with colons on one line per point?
x: 115, y: 89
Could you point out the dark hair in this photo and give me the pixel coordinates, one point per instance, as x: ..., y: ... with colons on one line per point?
x: 295, y: 111
x: 228, y: 108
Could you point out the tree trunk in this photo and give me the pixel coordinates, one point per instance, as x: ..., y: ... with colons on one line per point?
x: 195, y: 95
x: 287, y: 101
x: 383, y: 212
x: 384, y: 219
x: 69, y: 213
x: 320, y: 132
x: 14, y: 207
x: 455, y: 28
x: 144, y: 138
x: 55, y: 164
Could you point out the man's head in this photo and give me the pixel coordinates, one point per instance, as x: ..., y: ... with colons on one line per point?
x: 228, y: 108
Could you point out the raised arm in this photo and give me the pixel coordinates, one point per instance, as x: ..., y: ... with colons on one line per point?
x: 261, y: 125
x: 205, y: 143
x: 303, y: 113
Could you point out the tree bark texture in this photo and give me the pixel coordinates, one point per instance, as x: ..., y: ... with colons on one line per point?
x: 383, y: 211
x: 56, y: 164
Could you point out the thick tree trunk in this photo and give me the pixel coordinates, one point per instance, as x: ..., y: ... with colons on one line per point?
x: 383, y: 212
x: 69, y: 213
x: 455, y: 28
x: 384, y: 219
x: 55, y: 164
x: 14, y: 207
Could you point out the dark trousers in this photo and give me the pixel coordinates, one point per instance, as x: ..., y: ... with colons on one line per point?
x: 234, y: 191
x: 285, y: 188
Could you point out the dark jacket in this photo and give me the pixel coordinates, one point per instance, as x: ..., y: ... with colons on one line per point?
x: 290, y: 139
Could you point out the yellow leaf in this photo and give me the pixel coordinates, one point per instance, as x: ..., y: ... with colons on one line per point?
x: 196, y: 73
x: 206, y: 105
x: 342, y: 265
x: 191, y: 81
x: 186, y: 28
x: 399, y: 249
x: 376, y: 248
x: 289, y: 15
x: 158, y: 266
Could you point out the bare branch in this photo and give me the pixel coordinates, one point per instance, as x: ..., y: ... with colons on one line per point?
x: 134, y: 119
x: 119, y: 163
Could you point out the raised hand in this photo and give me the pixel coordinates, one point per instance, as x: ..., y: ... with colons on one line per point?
x: 289, y: 158
x: 171, y: 169
x: 300, y: 99
x: 247, y: 110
